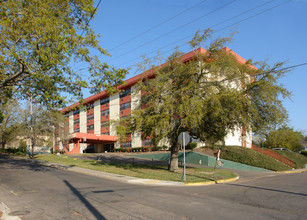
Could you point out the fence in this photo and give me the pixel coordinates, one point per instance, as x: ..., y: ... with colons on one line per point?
x: 38, y: 150
x: 274, y: 155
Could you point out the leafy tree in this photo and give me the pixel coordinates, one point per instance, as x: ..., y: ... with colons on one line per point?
x: 39, y: 42
x: 43, y: 122
x: 284, y: 137
x: 11, y: 124
x: 207, y: 97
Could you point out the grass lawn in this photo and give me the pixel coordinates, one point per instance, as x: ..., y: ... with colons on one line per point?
x: 142, y: 171
x: 248, y: 156
x: 300, y: 160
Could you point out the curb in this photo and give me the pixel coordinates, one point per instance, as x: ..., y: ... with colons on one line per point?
x: 292, y: 171
x: 128, y: 179
x: 4, y: 213
x: 213, y: 182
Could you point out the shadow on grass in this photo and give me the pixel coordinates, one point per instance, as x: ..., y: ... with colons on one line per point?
x: 142, y: 171
x: 129, y: 166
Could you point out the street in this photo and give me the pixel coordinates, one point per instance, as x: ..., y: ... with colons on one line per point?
x: 35, y: 191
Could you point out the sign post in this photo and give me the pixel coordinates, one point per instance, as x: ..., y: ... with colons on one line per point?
x: 184, y: 166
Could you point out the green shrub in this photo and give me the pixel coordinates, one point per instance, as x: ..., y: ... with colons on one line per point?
x: 156, y: 148
x: 145, y: 149
x: 19, y: 153
x: 22, y: 146
x: 191, y: 145
x: 304, y: 152
x: 164, y: 147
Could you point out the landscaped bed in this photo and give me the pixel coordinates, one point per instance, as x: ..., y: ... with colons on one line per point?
x: 142, y: 171
x: 245, y: 156
x: 299, y: 160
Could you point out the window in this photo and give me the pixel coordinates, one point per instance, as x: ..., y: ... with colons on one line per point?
x: 146, y: 142
x: 90, y: 106
x: 77, y: 130
x: 125, y: 93
x: 77, y: 121
x: 105, y: 112
x: 125, y: 144
x: 127, y: 116
x: 108, y: 133
x: 104, y: 101
x: 90, y: 127
x: 89, y: 117
x: 104, y: 124
x: 76, y: 111
x: 125, y: 106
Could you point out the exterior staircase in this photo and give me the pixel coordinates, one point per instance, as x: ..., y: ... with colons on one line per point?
x: 274, y: 155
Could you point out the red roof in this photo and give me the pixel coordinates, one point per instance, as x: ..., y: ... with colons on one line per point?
x: 132, y: 81
x: 94, y: 137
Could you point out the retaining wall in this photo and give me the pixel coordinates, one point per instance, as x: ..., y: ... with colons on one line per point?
x: 200, y: 159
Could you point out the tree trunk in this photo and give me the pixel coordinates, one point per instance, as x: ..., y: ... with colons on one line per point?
x: 174, y: 157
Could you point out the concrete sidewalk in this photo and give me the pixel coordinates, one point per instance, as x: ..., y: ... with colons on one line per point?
x: 5, y: 211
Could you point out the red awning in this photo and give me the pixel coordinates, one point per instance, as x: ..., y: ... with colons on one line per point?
x: 97, y: 138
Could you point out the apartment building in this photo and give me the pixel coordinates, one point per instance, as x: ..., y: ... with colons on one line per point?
x: 88, y: 127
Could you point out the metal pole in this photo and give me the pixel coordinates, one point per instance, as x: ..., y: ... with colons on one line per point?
x: 31, y: 128
x: 183, y: 142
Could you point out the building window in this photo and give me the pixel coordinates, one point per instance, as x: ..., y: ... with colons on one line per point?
x: 77, y: 121
x: 90, y: 106
x: 104, y: 124
x: 127, y: 116
x: 90, y: 127
x: 89, y: 117
x: 146, y: 142
x: 105, y: 112
x: 125, y: 144
x: 107, y: 133
x: 125, y: 106
x: 77, y: 130
x: 125, y: 93
x: 76, y: 111
x: 104, y: 101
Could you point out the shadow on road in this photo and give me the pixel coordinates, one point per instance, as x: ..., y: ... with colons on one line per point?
x: 22, y: 164
x: 268, y: 189
x: 88, y: 205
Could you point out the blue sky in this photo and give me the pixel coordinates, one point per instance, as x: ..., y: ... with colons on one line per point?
x: 270, y: 30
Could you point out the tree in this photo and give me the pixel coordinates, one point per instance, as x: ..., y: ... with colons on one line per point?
x: 207, y: 96
x: 11, y: 124
x: 285, y: 137
x: 39, y: 42
x: 40, y: 125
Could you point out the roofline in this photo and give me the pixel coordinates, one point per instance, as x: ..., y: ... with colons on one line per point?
x: 94, y: 137
x: 149, y: 73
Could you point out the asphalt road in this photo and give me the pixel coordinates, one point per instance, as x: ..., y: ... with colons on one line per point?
x: 36, y: 191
